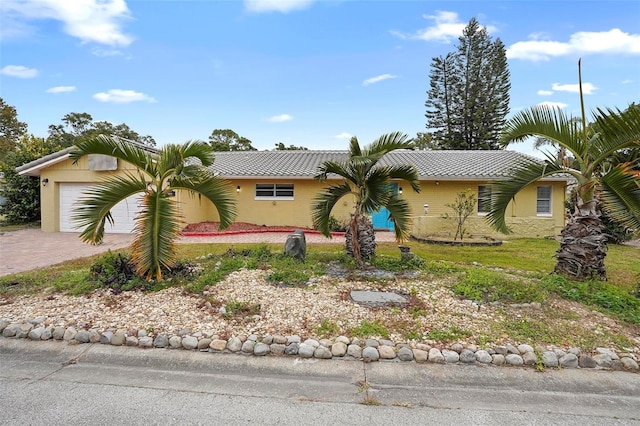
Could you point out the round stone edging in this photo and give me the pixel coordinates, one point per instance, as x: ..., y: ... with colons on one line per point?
x: 342, y: 347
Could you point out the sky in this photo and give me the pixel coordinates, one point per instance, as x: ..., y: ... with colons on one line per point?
x: 302, y: 72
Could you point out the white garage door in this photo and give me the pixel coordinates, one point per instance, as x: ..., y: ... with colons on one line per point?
x: 123, y: 213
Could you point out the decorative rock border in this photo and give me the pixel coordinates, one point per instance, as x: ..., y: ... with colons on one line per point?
x: 342, y: 347
x: 486, y: 242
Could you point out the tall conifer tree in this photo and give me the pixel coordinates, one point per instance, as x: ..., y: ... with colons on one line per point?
x: 468, y: 98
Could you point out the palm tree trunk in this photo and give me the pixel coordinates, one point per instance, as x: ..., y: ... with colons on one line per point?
x: 583, y: 245
x: 363, y: 247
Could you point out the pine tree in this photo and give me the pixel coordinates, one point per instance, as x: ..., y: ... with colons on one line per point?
x: 468, y: 98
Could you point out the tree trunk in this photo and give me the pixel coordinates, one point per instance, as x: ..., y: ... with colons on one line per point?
x: 365, y: 244
x: 583, y: 246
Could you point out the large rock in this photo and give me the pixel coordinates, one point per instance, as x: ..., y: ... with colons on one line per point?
x: 296, y: 245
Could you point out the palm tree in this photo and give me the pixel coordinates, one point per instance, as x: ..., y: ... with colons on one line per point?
x: 158, y: 174
x: 369, y: 184
x: 601, y: 184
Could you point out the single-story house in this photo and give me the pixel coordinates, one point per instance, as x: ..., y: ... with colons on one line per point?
x: 277, y: 188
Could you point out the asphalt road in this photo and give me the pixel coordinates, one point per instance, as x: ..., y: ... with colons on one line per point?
x: 53, y: 383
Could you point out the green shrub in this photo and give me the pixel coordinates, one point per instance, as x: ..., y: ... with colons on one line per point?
x: 337, y: 226
x: 487, y: 286
x: 115, y: 271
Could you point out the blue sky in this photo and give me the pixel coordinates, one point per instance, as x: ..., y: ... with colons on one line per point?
x: 300, y: 72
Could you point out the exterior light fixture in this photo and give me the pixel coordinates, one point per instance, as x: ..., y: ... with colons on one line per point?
x: 45, y: 181
x: 238, y: 188
x: 400, y: 190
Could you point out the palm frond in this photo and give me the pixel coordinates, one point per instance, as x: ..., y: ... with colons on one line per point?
x: 523, y: 173
x: 157, y: 228
x: 376, y: 191
x: 215, y: 189
x: 406, y: 172
x: 354, y: 147
x: 323, y: 204
x: 118, y: 148
x: 336, y: 168
x: 400, y: 214
x: 548, y: 123
x: 387, y: 143
x: 94, y: 207
x: 616, y: 130
x: 620, y: 195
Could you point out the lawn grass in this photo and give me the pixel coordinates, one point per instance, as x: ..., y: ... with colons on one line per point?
x: 519, y: 271
x: 7, y: 227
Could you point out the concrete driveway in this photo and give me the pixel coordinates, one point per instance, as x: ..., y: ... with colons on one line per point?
x: 29, y: 249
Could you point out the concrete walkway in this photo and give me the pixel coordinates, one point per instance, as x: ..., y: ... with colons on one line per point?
x: 29, y: 249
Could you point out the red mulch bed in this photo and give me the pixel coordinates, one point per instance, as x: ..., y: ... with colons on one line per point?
x: 236, y: 227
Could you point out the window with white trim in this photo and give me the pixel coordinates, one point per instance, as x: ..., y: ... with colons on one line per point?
x: 484, y: 199
x: 274, y: 191
x: 543, y: 203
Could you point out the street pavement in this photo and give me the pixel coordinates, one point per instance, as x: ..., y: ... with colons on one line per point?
x: 52, y: 383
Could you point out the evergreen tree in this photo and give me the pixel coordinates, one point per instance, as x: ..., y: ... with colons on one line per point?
x: 468, y: 98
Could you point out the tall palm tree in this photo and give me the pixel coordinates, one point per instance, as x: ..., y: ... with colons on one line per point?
x: 369, y: 184
x: 157, y: 175
x: 601, y: 185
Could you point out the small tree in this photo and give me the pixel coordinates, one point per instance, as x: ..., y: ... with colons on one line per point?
x: 463, y: 207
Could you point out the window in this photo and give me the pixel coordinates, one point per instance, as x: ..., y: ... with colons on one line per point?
x: 270, y: 191
x: 484, y: 199
x: 543, y: 205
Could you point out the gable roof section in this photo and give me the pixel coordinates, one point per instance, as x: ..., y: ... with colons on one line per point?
x: 453, y: 165
x: 34, y: 167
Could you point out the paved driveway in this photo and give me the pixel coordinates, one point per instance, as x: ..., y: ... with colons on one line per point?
x: 29, y: 249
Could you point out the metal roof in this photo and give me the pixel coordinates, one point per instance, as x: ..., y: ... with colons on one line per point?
x: 430, y: 164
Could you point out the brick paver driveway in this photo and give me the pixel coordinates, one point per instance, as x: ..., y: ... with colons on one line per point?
x: 29, y: 249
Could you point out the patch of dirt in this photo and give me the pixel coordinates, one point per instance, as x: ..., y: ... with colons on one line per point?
x: 235, y: 227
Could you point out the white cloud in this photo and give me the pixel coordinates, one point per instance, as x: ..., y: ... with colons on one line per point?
x: 627, y: 81
x: 554, y: 104
x: 545, y: 92
x: 280, y: 118
x: 61, y: 89
x: 97, y: 21
x: 580, y: 43
x: 343, y: 135
x: 97, y: 51
x: 282, y: 6
x: 119, y: 96
x: 587, y: 88
x: 447, y: 27
x: 378, y: 79
x: 19, y: 71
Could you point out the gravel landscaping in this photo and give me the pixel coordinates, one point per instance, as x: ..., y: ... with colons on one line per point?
x: 318, y: 320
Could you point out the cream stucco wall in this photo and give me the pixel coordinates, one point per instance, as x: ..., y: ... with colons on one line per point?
x: 66, y: 172
x: 296, y: 212
x: 521, y: 214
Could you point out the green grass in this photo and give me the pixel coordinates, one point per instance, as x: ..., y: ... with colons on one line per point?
x: 9, y: 227
x: 369, y: 329
x: 326, y: 329
x: 486, y: 286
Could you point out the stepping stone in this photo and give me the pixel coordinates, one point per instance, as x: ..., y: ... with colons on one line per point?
x: 377, y: 298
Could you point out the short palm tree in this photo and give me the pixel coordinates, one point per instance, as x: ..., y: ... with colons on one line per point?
x: 602, y: 184
x: 158, y: 174
x: 369, y: 184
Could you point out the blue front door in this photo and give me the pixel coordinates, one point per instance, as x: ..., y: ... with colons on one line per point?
x: 380, y: 219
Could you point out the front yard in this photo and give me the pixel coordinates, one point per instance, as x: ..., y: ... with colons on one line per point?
x: 483, y: 296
